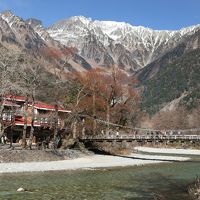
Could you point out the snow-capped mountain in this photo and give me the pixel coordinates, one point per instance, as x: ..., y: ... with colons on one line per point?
x: 159, y: 59
x: 95, y: 43
x: 31, y: 38
x: 173, y: 79
x: 20, y: 32
x: 106, y: 43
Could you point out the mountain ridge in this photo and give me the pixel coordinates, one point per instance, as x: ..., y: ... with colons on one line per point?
x: 29, y: 36
x: 143, y: 45
x: 80, y: 44
x: 174, y: 76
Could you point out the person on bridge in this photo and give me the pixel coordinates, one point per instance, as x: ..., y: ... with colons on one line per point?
x: 117, y: 134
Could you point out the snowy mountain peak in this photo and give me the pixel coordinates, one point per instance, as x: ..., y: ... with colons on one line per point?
x: 34, y: 22
x: 190, y: 29
x: 10, y: 18
x: 83, y: 19
x: 128, y: 46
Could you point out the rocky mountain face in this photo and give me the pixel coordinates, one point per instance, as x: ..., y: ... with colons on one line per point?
x: 174, y: 78
x: 30, y: 38
x: 105, y: 43
x: 80, y: 43
x: 16, y: 31
x: 167, y: 63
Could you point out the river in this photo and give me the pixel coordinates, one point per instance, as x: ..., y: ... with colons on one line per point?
x: 137, y: 183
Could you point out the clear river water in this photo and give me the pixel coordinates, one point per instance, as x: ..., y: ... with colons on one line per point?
x: 129, y: 183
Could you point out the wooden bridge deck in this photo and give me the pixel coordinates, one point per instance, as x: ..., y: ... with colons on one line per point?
x: 142, y: 138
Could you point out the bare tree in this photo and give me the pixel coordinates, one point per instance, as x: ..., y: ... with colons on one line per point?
x: 102, y: 95
x: 30, y: 83
x: 194, y: 118
x: 58, y: 89
x: 8, y: 83
x: 174, y: 119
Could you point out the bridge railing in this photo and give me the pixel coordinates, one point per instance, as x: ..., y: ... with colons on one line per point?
x: 143, y: 137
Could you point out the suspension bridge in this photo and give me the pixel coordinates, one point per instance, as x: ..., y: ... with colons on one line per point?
x: 140, y: 138
x: 144, y: 135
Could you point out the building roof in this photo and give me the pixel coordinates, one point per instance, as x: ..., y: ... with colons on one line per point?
x: 38, y: 104
x: 44, y: 106
x: 15, y: 98
x: 9, y: 103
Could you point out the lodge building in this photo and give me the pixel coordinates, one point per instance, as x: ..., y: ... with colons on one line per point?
x: 15, y: 115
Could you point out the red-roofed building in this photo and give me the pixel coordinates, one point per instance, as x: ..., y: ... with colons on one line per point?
x: 9, y: 104
x: 15, y: 98
x: 42, y: 106
x: 14, y: 113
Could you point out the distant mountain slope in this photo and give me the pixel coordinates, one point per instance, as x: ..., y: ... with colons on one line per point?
x: 31, y: 38
x: 105, y: 43
x: 176, y: 74
x: 79, y: 43
x: 167, y: 63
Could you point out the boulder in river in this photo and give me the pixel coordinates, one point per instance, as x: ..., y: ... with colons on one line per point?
x: 21, y: 189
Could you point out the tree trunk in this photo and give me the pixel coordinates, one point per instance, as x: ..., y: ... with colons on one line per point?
x: 11, y: 128
x: 31, y: 135
x: 1, y: 122
x: 11, y: 137
x: 2, y: 133
x: 83, y: 128
x: 12, y: 125
x: 74, y: 129
x: 25, y: 123
x: 1, y: 130
x: 108, y: 118
x: 32, y: 123
x: 55, y: 130
x: 94, y: 112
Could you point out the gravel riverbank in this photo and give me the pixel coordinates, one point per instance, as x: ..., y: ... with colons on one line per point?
x: 168, y: 150
x: 87, y: 162
x: 8, y: 155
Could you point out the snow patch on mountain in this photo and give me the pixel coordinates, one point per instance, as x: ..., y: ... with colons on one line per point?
x: 142, y: 45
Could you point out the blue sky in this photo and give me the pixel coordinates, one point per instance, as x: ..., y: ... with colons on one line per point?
x: 157, y: 14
